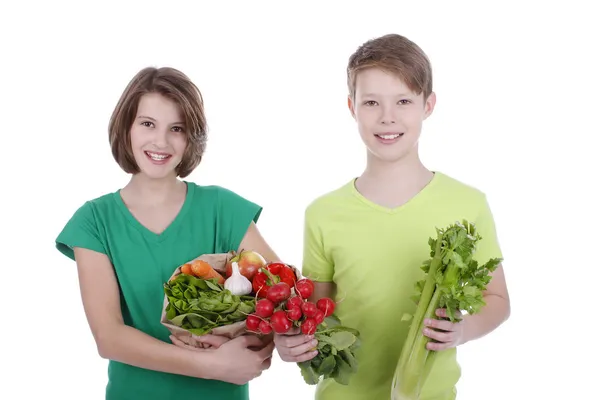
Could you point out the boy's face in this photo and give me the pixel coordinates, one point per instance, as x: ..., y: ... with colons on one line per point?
x: 389, y: 115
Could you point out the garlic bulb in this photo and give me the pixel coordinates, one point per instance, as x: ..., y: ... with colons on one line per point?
x: 237, y: 283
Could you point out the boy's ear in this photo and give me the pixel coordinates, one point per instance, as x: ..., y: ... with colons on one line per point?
x: 351, y: 107
x: 430, y: 105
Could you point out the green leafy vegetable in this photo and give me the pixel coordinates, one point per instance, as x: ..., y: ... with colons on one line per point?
x: 200, y: 305
x: 336, y: 358
x: 454, y: 281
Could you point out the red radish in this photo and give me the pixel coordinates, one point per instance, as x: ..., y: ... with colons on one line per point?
x: 279, y: 292
x: 305, y: 288
x: 319, y: 317
x: 264, y: 327
x: 309, y: 326
x: 264, y: 308
x: 326, y: 305
x: 294, y: 313
x: 280, y: 322
x: 294, y: 302
x: 309, y: 309
x: 252, y: 322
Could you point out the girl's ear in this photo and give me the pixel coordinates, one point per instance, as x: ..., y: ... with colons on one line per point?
x: 351, y: 107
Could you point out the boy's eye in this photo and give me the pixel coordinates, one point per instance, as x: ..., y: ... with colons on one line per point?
x: 370, y: 103
x: 404, y: 101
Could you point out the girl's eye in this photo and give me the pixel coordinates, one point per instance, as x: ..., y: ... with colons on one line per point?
x: 147, y: 124
x: 178, y: 129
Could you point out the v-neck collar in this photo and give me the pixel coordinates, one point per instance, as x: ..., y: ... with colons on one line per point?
x: 437, y: 176
x: 148, y: 234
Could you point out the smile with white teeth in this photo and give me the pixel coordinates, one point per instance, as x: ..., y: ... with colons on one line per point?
x: 157, y: 157
x: 389, y: 137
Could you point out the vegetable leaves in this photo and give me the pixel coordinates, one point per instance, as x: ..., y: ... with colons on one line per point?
x: 199, y: 305
x: 336, y: 358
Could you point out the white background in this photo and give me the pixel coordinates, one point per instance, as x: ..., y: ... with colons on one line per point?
x: 516, y: 116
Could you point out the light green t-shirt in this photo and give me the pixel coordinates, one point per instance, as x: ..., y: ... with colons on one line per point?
x: 212, y: 220
x: 373, y: 254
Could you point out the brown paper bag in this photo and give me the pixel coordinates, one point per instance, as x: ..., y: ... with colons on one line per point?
x: 219, y: 263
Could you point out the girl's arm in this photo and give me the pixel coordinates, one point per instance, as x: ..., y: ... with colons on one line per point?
x: 253, y: 240
x: 119, y: 342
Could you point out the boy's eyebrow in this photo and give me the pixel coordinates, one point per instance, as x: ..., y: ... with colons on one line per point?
x: 375, y: 95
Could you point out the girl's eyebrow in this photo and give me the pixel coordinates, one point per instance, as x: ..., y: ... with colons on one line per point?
x: 152, y: 119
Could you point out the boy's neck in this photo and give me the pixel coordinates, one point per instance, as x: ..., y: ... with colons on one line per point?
x: 393, y: 184
x: 143, y: 191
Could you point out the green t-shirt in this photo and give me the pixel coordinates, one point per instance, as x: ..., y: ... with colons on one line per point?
x: 374, y: 254
x: 212, y: 220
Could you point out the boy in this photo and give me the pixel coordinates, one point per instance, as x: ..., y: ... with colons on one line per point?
x: 366, y: 240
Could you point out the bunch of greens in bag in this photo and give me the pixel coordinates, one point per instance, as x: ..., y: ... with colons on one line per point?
x: 200, y: 305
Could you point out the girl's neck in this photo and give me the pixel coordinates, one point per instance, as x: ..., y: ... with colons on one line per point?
x: 142, y: 190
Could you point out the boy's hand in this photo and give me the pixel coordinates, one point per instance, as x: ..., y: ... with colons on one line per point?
x: 447, y: 334
x: 295, y: 346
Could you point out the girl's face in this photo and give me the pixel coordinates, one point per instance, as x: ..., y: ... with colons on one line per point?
x: 158, y: 136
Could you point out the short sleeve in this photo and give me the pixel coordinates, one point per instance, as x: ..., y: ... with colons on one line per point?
x: 489, y: 246
x: 315, y: 263
x: 80, y: 231
x: 235, y: 216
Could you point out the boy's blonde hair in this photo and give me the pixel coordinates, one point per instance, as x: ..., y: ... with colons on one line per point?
x: 174, y: 85
x: 395, y: 54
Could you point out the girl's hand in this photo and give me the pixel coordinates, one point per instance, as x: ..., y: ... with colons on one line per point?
x: 199, y: 342
x: 446, y: 334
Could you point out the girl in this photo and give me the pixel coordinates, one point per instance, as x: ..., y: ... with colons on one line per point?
x: 126, y: 244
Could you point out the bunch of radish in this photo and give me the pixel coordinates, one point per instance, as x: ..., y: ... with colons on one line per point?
x: 283, y: 309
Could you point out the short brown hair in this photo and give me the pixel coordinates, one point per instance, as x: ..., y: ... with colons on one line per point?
x: 174, y: 85
x: 396, y: 54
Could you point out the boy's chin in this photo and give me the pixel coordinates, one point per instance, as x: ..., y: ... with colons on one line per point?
x: 389, y: 157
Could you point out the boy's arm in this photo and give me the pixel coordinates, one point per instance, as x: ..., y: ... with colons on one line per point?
x: 322, y: 289
x: 493, y: 314
x: 497, y: 308
x: 296, y: 347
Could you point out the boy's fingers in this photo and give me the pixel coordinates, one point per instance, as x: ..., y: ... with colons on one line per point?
x: 303, y: 348
x: 292, y: 341
x: 305, y: 357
